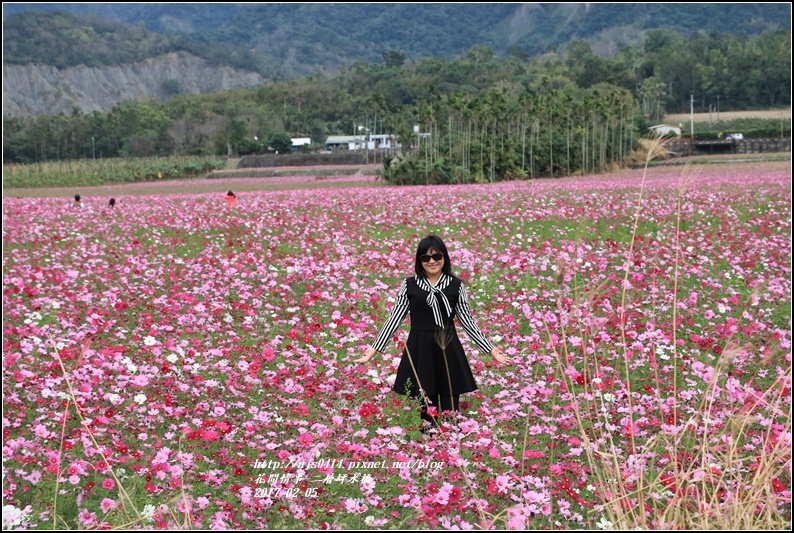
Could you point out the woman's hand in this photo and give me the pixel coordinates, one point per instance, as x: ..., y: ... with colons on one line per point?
x: 496, y: 353
x: 367, y: 355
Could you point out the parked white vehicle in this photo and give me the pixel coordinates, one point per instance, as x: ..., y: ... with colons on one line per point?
x: 735, y: 136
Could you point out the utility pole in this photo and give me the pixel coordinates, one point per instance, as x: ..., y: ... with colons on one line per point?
x: 692, y: 116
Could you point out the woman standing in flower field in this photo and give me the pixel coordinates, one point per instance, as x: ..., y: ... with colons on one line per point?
x: 433, y: 364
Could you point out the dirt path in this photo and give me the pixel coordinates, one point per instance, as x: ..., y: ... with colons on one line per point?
x: 220, y: 186
x: 728, y: 115
x: 196, y: 186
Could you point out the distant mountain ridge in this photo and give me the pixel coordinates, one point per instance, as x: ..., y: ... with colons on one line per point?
x: 153, y: 47
x: 308, y: 31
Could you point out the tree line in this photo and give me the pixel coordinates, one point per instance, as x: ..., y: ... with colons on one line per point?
x: 477, y: 117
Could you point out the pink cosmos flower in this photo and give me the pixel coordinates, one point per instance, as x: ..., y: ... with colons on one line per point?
x: 184, y: 505
x: 140, y: 381
x: 516, y: 518
x: 86, y: 517
x: 106, y: 505
x: 209, y: 435
x: 268, y: 354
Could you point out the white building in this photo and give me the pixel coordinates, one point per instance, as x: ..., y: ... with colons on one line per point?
x: 361, y: 142
x: 297, y: 142
x: 664, y: 130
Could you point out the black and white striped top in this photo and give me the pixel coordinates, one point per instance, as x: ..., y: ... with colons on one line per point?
x: 441, y: 307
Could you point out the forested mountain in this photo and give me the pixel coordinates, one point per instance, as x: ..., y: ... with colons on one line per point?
x: 297, y: 39
x: 88, y: 57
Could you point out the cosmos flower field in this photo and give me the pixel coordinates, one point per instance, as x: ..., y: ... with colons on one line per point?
x: 179, y: 362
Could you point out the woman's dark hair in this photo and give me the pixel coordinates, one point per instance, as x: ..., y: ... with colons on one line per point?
x: 431, y: 241
x: 230, y: 193
x: 76, y: 197
x: 112, y: 202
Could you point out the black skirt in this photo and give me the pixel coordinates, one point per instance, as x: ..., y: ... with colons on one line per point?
x: 433, y: 358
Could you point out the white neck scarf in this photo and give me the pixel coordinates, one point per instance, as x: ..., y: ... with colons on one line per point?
x: 433, y: 301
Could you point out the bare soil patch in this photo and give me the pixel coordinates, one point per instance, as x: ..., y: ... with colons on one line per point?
x: 729, y: 115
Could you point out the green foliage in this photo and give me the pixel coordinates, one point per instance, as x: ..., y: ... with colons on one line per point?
x: 171, y: 87
x: 106, y: 171
x: 245, y: 146
x: 393, y: 58
x: 401, y: 171
x: 733, y: 71
x: 281, y: 142
x: 62, y: 39
x: 749, y: 128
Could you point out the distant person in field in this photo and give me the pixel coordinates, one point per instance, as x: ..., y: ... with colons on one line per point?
x: 77, y: 202
x: 231, y: 198
x: 112, y: 202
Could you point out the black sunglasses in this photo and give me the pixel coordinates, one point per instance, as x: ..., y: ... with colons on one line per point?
x: 425, y: 258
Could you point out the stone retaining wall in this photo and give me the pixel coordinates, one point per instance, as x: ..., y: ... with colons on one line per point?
x: 747, y: 146
x: 297, y: 159
x: 759, y: 146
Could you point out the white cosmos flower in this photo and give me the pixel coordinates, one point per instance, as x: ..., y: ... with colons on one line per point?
x: 148, y: 512
x: 14, y: 517
x: 605, y: 524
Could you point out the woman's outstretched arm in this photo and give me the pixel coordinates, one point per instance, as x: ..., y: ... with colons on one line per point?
x: 470, y: 327
x: 398, y: 313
